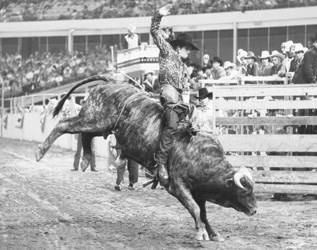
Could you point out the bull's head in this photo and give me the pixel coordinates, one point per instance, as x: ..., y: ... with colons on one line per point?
x: 241, y: 196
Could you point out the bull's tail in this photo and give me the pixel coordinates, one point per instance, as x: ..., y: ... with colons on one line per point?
x: 60, y: 104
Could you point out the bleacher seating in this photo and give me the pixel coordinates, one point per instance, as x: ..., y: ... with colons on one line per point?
x: 48, y: 70
x: 37, y: 10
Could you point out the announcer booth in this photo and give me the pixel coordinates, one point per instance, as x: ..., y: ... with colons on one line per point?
x: 137, y: 61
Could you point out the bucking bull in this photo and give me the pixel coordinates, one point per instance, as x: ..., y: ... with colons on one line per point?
x: 197, y: 166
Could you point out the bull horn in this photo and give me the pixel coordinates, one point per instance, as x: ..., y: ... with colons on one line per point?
x: 246, y: 172
x: 237, y: 177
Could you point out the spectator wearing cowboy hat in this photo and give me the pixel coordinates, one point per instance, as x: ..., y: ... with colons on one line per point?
x: 151, y: 83
x: 217, y: 70
x: 307, y: 71
x: 202, y: 117
x: 278, y: 69
x: 266, y: 65
x: 285, y: 46
x: 299, y: 55
x: 173, y: 74
x: 252, y: 65
x: 242, y: 61
x: 231, y: 72
x: 289, y: 52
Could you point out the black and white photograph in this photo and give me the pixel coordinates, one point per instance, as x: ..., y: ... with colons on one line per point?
x: 158, y: 124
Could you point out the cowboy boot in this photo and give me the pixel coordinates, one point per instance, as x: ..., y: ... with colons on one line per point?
x: 160, y: 175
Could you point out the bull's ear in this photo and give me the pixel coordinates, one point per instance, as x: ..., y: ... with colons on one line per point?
x: 229, y: 183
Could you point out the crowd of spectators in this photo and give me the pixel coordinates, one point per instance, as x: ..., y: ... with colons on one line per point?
x: 287, y: 62
x: 36, y: 10
x: 40, y: 72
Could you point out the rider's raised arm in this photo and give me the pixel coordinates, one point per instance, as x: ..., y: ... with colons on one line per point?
x: 158, y: 38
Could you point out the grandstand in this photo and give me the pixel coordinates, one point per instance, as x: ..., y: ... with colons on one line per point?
x: 57, y: 51
x: 39, y: 10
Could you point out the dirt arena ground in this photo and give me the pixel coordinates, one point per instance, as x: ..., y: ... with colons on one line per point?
x: 46, y: 206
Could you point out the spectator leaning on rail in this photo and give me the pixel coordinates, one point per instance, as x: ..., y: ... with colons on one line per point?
x: 307, y: 70
x: 299, y: 55
x: 231, y: 71
x: 172, y: 76
x: 217, y: 70
x: 289, y: 52
x: 202, y: 117
x: 278, y: 69
x: 265, y: 68
x: 252, y: 65
x: 242, y: 61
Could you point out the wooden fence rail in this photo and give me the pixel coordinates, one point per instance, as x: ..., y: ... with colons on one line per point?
x: 284, y: 163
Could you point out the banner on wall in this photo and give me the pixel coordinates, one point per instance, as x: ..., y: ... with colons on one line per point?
x: 20, y: 120
x: 4, y: 121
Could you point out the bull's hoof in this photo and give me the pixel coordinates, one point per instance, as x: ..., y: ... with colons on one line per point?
x: 84, y: 165
x: 202, y: 235
x: 38, y: 154
x: 217, y: 238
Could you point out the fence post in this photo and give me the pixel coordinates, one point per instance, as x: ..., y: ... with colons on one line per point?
x: 2, y: 105
x: 213, y: 108
x: 11, y: 105
x: 22, y: 101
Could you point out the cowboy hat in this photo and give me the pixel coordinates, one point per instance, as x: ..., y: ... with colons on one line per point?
x: 250, y: 54
x: 183, y: 40
x: 275, y: 53
x: 264, y: 54
x: 148, y: 72
x: 217, y: 59
x: 299, y: 47
x: 287, y: 45
x: 228, y: 64
x: 203, y: 93
x: 241, y: 54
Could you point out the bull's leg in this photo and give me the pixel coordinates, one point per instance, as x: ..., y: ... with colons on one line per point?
x: 71, y: 125
x: 87, y: 155
x: 213, y: 234
x: 186, y: 198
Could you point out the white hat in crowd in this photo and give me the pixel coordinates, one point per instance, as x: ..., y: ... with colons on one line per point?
x: 287, y: 45
x: 228, y: 64
x: 264, y: 54
x: 241, y: 54
x: 275, y: 53
x: 299, y: 47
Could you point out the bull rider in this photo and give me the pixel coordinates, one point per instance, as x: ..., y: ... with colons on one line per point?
x: 173, y: 73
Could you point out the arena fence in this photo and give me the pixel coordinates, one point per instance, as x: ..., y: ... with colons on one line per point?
x: 282, y: 161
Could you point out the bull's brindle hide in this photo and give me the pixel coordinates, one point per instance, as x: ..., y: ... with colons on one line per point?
x: 197, y: 166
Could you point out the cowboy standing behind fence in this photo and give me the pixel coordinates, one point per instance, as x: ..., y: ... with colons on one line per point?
x: 172, y: 76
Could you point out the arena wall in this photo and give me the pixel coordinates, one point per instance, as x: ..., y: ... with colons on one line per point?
x: 29, y: 127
